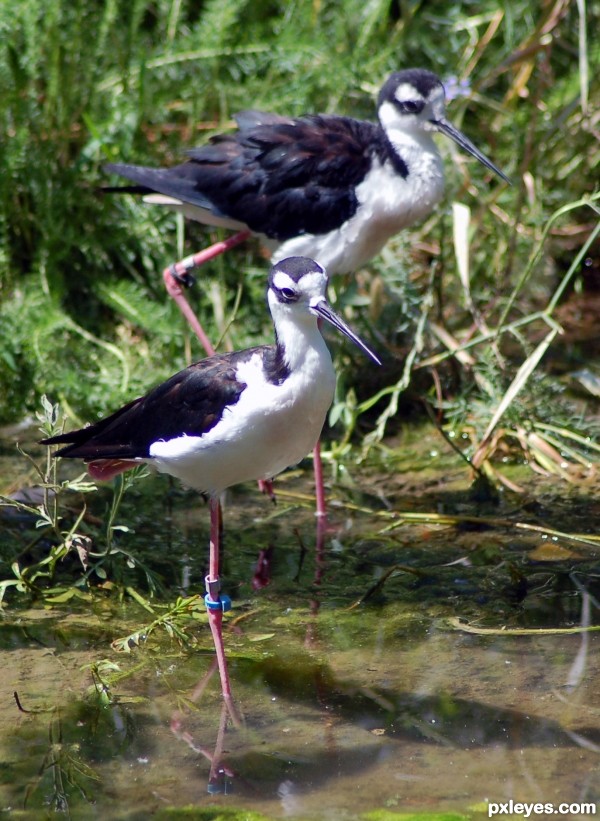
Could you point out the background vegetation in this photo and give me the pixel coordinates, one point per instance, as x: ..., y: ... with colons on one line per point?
x: 83, y: 314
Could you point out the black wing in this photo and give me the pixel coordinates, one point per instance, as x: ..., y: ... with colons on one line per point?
x: 280, y: 177
x: 190, y: 402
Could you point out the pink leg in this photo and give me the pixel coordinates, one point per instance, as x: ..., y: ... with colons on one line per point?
x: 319, y: 484
x: 266, y: 486
x: 178, y: 274
x: 318, y: 470
x: 216, y: 605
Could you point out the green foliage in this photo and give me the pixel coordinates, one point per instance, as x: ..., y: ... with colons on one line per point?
x: 195, y: 813
x: 66, y: 534
x: 29, y: 577
x: 173, y: 619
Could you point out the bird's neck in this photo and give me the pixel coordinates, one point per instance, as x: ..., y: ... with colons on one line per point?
x: 300, y: 345
x: 411, y: 145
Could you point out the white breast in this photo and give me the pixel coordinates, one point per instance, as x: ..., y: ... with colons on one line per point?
x: 388, y: 203
x: 270, y: 428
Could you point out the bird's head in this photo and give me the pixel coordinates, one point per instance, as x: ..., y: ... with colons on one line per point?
x: 413, y: 101
x: 297, y: 289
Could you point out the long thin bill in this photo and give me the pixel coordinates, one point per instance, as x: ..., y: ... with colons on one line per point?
x: 459, y: 138
x: 323, y: 310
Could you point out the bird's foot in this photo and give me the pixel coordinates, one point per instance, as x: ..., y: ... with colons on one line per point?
x: 177, y: 275
x: 266, y: 486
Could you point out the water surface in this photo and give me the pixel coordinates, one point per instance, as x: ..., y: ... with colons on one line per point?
x: 359, y: 682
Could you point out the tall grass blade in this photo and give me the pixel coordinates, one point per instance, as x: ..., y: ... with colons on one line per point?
x: 516, y: 386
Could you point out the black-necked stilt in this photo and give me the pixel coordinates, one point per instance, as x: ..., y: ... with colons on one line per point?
x: 232, y: 417
x: 323, y: 186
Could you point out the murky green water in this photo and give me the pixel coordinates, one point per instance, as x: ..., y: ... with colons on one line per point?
x: 359, y: 689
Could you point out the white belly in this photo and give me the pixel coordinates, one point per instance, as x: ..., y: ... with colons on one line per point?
x: 270, y: 428
x: 387, y: 204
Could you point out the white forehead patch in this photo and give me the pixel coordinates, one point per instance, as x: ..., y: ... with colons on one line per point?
x: 407, y: 91
x: 282, y: 280
x: 313, y: 283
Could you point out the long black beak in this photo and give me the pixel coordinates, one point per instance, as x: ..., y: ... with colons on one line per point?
x: 446, y: 127
x: 324, y: 311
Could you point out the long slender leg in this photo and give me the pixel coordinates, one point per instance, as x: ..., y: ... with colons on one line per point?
x: 216, y: 605
x: 321, y: 510
x: 179, y: 274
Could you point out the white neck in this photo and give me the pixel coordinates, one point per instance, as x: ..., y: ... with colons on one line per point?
x: 299, y: 335
x: 408, y: 137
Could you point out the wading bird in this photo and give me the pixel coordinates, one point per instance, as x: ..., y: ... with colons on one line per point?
x: 322, y: 186
x: 231, y: 418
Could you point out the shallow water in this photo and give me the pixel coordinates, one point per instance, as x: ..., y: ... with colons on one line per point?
x: 359, y: 685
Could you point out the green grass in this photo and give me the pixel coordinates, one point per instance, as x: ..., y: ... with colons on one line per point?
x: 83, y: 314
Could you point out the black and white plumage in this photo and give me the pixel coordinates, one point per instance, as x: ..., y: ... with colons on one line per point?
x: 230, y: 418
x: 236, y: 416
x: 328, y: 187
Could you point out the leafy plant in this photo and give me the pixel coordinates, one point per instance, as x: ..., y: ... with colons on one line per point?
x: 64, y: 534
x: 29, y: 577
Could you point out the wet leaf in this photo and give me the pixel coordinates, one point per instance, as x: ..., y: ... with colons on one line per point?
x: 61, y: 597
x: 550, y: 552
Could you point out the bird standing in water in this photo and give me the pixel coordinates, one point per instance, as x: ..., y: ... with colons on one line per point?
x: 231, y: 418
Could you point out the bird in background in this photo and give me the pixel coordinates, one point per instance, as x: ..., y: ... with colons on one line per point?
x: 230, y: 418
x: 324, y: 186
